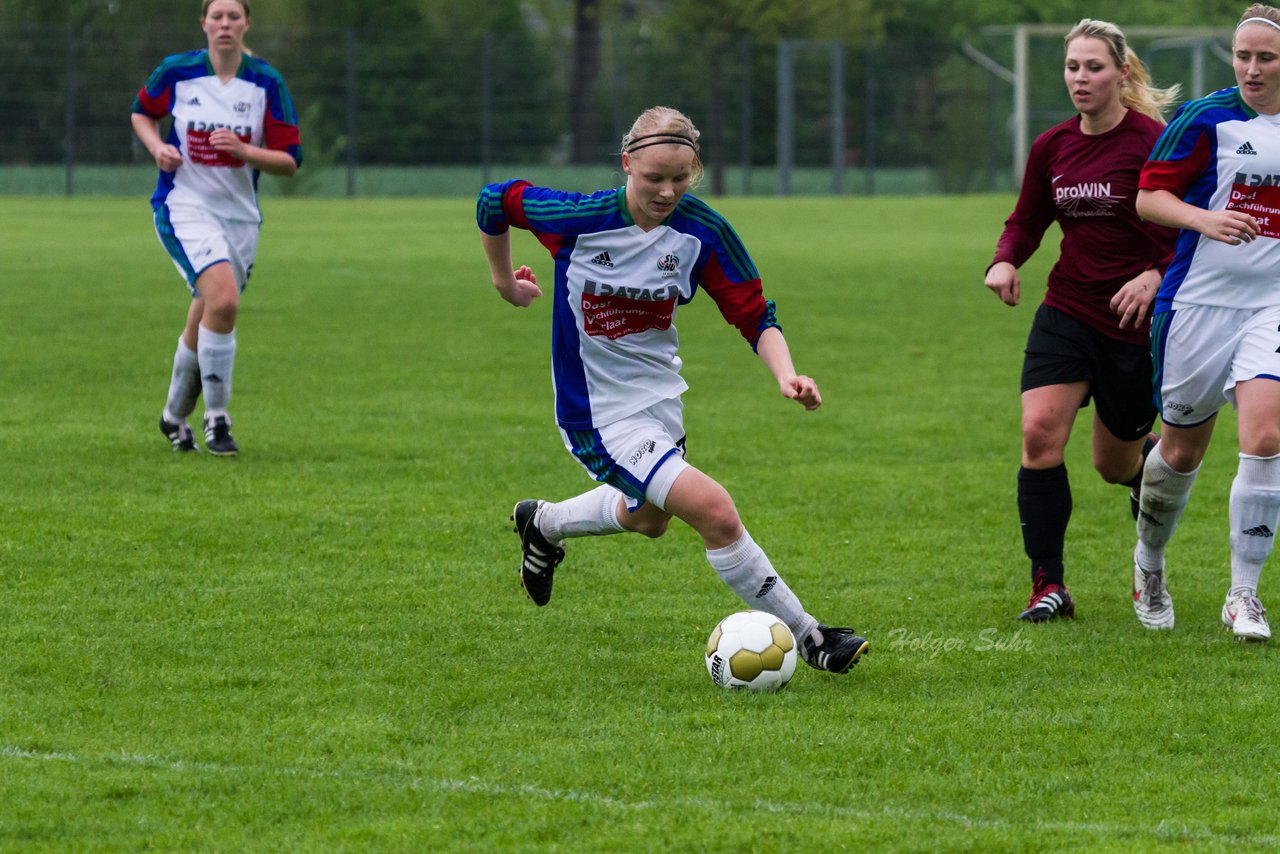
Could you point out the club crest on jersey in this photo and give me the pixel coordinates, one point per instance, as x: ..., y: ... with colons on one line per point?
x: 669, y: 265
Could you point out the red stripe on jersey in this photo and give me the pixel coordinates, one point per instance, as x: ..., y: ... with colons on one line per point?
x: 513, y: 205
x: 553, y: 242
x: 279, y: 135
x: 1176, y: 175
x: 741, y: 303
x: 155, y: 106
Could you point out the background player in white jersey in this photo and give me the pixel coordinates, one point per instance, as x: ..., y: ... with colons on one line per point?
x: 1089, y: 338
x: 624, y: 260
x: 1214, y: 174
x: 232, y: 118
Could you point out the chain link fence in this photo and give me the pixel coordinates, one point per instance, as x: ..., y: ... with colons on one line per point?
x: 390, y: 113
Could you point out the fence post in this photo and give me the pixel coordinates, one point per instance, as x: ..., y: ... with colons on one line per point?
x: 69, y: 116
x: 786, y: 115
x: 869, y: 119
x: 744, y: 53
x: 352, y: 109
x: 837, y: 118
x: 486, y: 106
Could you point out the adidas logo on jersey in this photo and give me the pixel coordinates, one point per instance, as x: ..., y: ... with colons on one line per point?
x: 1247, y: 148
x: 1260, y: 531
x: 194, y: 102
x: 603, y: 260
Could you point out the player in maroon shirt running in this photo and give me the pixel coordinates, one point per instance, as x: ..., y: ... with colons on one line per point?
x: 1089, y: 338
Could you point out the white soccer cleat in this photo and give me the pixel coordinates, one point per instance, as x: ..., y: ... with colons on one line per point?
x: 1151, y: 600
x: 1246, y: 617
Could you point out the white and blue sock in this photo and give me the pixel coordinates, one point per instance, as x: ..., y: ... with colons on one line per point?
x: 217, y: 354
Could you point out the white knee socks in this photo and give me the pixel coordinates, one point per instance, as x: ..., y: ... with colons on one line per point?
x: 184, y: 385
x: 217, y: 353
x: 1165, y: 493
x: 746, y: 569
x: 1255, y: 517
x: 591, y: 514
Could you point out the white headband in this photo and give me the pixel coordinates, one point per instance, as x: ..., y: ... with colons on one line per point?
x: 1267, y: 21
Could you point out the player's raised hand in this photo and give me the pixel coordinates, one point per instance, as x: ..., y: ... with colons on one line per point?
x: 522, y: 289
x: 802, y: 390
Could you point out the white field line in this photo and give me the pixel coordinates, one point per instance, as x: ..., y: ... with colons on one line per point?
x: 1165, y: 830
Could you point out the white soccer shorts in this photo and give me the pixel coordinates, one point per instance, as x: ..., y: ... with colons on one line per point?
x: 1203, y: 351
x: 196, y: 240
x: 640, y: 455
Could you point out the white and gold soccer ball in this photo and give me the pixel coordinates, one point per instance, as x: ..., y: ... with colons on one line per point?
x: 751, y: 650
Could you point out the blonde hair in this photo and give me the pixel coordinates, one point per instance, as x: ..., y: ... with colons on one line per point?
x: 657, y: 125
x: 204, y: 8
x: 1137, y: 92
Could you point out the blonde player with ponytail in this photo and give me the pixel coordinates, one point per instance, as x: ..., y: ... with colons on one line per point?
x: 625, y: 260
x: 1089, y: 337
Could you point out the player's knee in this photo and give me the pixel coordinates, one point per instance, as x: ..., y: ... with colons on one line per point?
x: 721, y: 523
x: 652, y: 526
x: 1118, y: 471
x: 1041, y: 447
x: 1264, y: 443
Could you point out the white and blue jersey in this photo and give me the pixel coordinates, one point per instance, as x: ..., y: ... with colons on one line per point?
x: 255, y: 105
x: 1219, y: 154
x: 614, y: 342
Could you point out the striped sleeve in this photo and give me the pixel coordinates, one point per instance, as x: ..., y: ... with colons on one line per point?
x: 155, y: 98
x: 727, y: 273
x: 1185, y: 148
x: 543, y: 211
x: 280, y: 124
x: 495, y: 201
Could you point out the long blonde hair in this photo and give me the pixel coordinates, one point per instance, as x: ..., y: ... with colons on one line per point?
x: 665, y: 124
x: 1137, y: 92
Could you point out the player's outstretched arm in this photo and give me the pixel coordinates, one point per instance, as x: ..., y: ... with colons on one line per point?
x: 518, y: 287
x: 773, y: 350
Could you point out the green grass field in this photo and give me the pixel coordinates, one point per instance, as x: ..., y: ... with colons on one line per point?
x: 322, y: 644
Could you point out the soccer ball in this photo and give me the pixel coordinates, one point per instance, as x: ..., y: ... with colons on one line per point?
x: 752, y: 650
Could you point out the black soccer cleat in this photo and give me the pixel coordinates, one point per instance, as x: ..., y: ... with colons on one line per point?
x: 538, y: 556
x: 839, y: 651
x: 179, y: 435
x: 217, y: 437
x: 1047, y: 602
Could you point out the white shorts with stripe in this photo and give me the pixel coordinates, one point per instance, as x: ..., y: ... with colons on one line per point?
x: 1202, y: 351
x: 640, y: 455
x: 196, y: 240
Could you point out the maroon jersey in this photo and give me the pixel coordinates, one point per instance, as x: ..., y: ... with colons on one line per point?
x: 1089, y: 184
